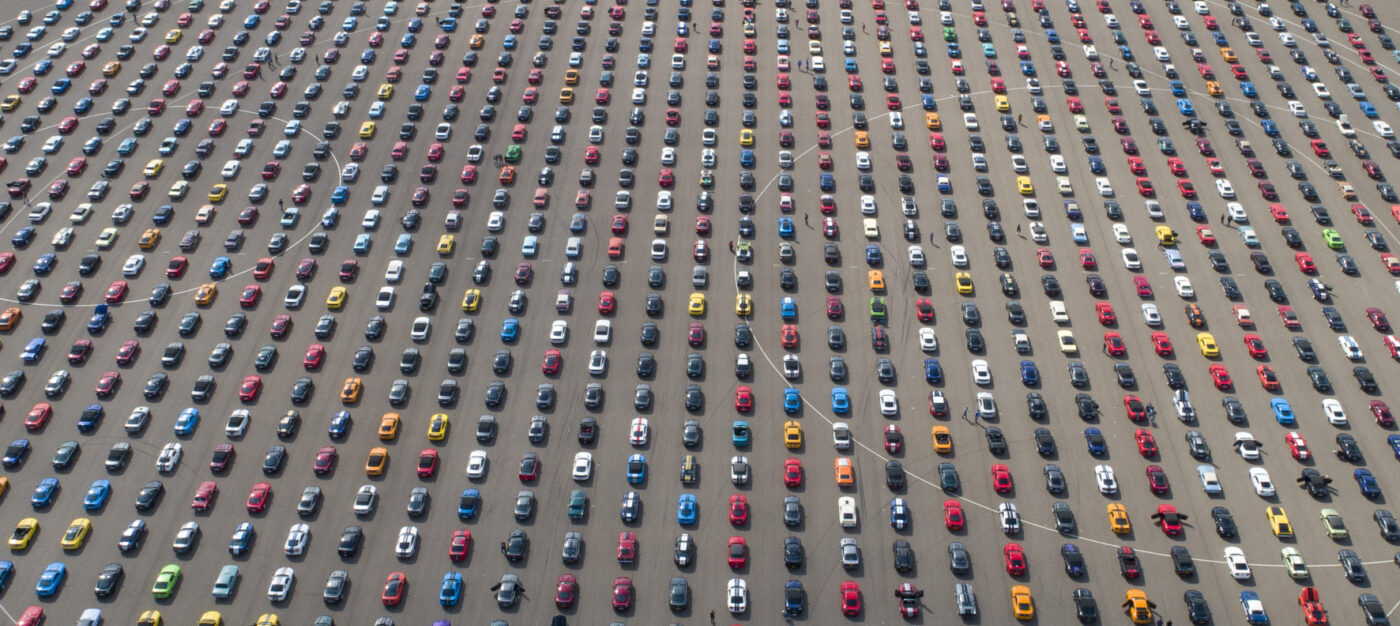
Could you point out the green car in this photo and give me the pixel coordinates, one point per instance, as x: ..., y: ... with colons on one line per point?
x: 513, y: 153
x: 166, y: 582
x: 878, y: 310
x: 578, y: 504
x: 950, y: 34
x: 1332, y: 237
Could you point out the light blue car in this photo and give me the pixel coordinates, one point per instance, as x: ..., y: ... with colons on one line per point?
x: 792, y: 401
x: 187, y: 422
x: 97, y: 495
x: 1283, y: 412
x: 451, y: 592
x: 687, y: 509
x: 788, y: 309
x: 840, y: 400
x: 636, y: 469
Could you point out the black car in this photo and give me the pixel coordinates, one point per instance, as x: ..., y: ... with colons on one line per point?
x: 1196, y: 608
x: 793, y: 552
x: 1085, y: 607
x: 301, y: 390
x: 1224, y: 522
x: 350, y: 540
x: 894, y: 475
x: 1036, y: 407
x: 149, y: 495
x: 996, y: 441
x: 1182, y: 562
x: 108, y: 580
x: 1347, y: 448
x: 274, y: 460
x: 903, y: 555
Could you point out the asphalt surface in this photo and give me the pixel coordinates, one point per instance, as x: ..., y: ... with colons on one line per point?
x: 820, y: 533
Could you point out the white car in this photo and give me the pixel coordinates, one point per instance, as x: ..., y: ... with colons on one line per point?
x: 986, y: 405
x: 658, y: 249
x: 583, y: 466
x: 792, y: 366
x: 422, y: 327
x: 1150, y: 315
x: 476, y: 465
x: 1263, y: 485
x: 1333, y: 410
x: 916, y: 256
x: 1234, y: 560
x: 1349, y: 347
x: 385, y: 299
x: 841, y: 436
x: 889, y: 405
x: 1237, y: 213
x: 1184, y: 288
x: 365, y: 499
x: 867, y: 205
x: 959, y: 256
x: 640, y: 432
x: 296, y: 295
x: 558, y: 332
x: 407, y: 545
x: 1010, y: 518
x: 1103, y: 476
x: 981, y: 373
x: 928, y: 340
x: 1021, y: 340
x: 738, y: 596
x: 297, y: 538
x: 281, y: 585
x: 602, y: 331
x: 1038, y: 232
x: 1031, y: 208
x: 394, y: 272
x: 1057, y: 164
x: 598, y: 362
x: 1224, y: 188
x: 846, y: 511
x: 169, y: 458
x: 1131, y: 260
x: 863, y: 161
x: 1121, y: 234
x: 1058, y: 313
x: 133, y: 266
x: 237, y: 424
x: 1247, y: 446
x: 739, y: 470
x: 1105, y: 188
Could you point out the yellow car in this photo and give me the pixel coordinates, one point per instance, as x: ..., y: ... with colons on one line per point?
x: 386, y: 91
x: 1165, y: 235
x: 571, y: 77
x: 1002, y: 103
x: 1139, y: 609
x: 1278, y: 521
x: 268, y: 619
x: 204, y: 296
x: 376, y: 462
x: 350, y: 391
x: 111, y: 68
x: 1118, y: 519
x: 477, y: 41
x: 1021, y: 604
x: 566, y: 95
x: 932, y: 122
x: 210, y: 618
x: 389, y: 426
x: 107, y: 238
x: 149, y: 239
x: 8, y: 319
x: 1228, y: 54
x: 743, y: 304
x: 437, y: 427
x: 1023, y: 185
x: 173, y: 35
x: 153, y: 168
x: 876, y: 279
x: 471, y: 300
x: 336, y: 299
x: 179, y: 190
x: 746, y: 137
x: 1213, y: 88
x: 446, y: 243
x: 886, y: 49
x: 75, y: 535
x: 9, y: 103
x: 24, y: 533
x: 697, y: 304
x: 1207, y: 343
x: 367, y: 129
x: 845, y: 472
x: 964, y: 282
x: 1066, y: 341
x: 792, y: 434
x: 150, y: 618
x: 942, y: 439
x: 870, y: 228
x: 862, y: 139
x: 218, y: 192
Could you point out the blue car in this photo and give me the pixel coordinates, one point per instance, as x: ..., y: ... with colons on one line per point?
x: 251, y: 22
x: 451, y: 592
x: 827, y: 182
x: 33, y: 350
x: 448, y: 24
x: 368, y: 55
x: 1367, y: 482
x: 468, y: 504
x: 686, y: 509
x: 928, y: 103
x: 42, y: 68
x: 83, y: 105
x: 715, y: 46
x: 340, y: 195
x: 187, y: 422
x: 636, y: 469
x: 794, y: 597
x: 1270, y: 128
x: 97, y: 495
x: 1184, y: 105
x: 954, y: 51
x: 1093, y: 438
x: 787, y: 308
x: 1030, y: 375
x: 933, y: 371
x: 1027, y: 68
x: 785, y: 228
x: 50, y: 580
x: 22, y: 50
x: 840, y: 400
x: 349, y: 24
x: 1197, y: 212
x: 404, y: 244
x: 792, y: 401
x: 1096, y: 165
x: 1283, y: 412
x: 873, y: 255
x: 422, y: 93
x: 1052, y: 36
x: 1368, y: 109
x: 1178, y: 88
x: 16, y: 453
x: 91, y: 417
x: 1253, y: 609
x: 61, y: 86
x: 739, y: 433
x: 340, y: 425
x: 851, y: 65
x: 7, y: 573
x: 509, y: 42
x: 1249, y: 90
x: 44, y: 264
x: 127, y: 146
x: 746, y: 159
x: 510, y: 329
x: 45, y: 493
x: 220, y: 267
x: 407, y: 40
x: 99, y: 320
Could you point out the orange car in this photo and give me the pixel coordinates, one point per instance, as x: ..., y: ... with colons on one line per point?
x: 789, y: 333
x: 845, y: 472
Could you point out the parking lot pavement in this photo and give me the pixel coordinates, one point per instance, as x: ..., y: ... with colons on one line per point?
x: 760, y: 277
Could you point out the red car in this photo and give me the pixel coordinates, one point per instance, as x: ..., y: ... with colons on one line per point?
x: 923, y: 308
x: 626, y: 547
x: 792, y: 472
x: 695, y: 334
x: 834, y: 309
x: 1305, y: 263
x: 607, y: 302
x: 622, y: 593
x: 619, y: 225
x: 566, y: 592
x: 126, y: 354
x: 76, y: 166
x: 1381, y: 411
x: 894, y: 439
x: 702, y: 225
x: 1001, y: 478
x: 1134, y: 407
x: 953, y: 515
x: 1145, y: 188
x: 78, y: 353
x: 1289, y: 317
x: 70, y: 292
x: 1157, y: 479
x: 1220, y: 376
x: 250, y: 296
x: 107, y: 385
x: 259, y: 497
x: 252, y: 385
x: 325, y: 460
x: 1113, y: 342
x: 1187, y: 189
x: 204, y: 495
x: 1015, y: 559
x: 1256, y: 346
x: 738, y: 552
x: 1105, y: 313
x: 427, y: 463
x: 1268, y: 378
x: 1170, y: 520
x: 1297, y: 446
x: 850, y: 598
x: 1310, y: 602
x: 738, y: 510
x: 1045, y: 258
x: 1378, y: 319
x: 461, y: 544
x: 281, y: 325
x: 789, y: 336
x: 262, y: 270
x: 552, y: 360
x: 1146, y: 443
x: 1161, y: 343
x: 529, y: 467
x: 394, y: 588
x: 1144, y: 288
x: 1087, y: 260
x: 38, y: 416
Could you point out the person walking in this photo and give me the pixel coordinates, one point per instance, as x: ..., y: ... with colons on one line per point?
x: 712, y: 617
x: 1019, y: 117
x: 807, y: 219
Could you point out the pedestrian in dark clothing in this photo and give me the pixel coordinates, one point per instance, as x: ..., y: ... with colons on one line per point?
x: 731, y: 246
x: 712, y: 617
x: 281, y: 204
x: 807, y: 219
